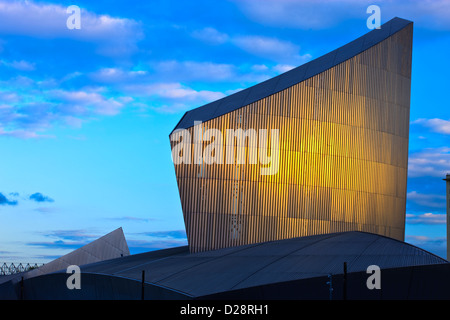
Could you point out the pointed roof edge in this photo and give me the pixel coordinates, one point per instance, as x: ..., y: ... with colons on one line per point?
x: 78, y: 256
x: 285, y: 80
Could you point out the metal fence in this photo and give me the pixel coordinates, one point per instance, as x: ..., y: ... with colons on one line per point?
x: 11, y: 268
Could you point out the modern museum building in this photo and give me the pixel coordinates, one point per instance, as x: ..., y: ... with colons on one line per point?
x: 289, y: 188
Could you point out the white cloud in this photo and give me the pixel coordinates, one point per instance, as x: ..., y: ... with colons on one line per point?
x: 427, y: 200
x: 182, y: 71
x: 175, y: 91
x: 430, y: 14
x: 313, y: 14
x: 115, y: 36
x: 260, y: 67
x: 172, y: 97
x: 21, y: 65
x: 282, y: 68
x: 193, y: 70
x: 210, y: 35
x: 8, y: 97
x: 267, y: 47
x: 23, y: 134
x: 86, y: 103
x: 426, y: 218
x: 430, y: 162
x: 28, y: 107
x: 436, y: 125
x: 304, y: 14
x: 423, y: 239
x: 116, y: 75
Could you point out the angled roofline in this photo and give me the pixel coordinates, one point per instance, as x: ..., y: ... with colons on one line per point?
x: 285, y: 80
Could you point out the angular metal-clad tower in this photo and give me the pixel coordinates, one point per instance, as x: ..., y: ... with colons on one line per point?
x: 331, y: 143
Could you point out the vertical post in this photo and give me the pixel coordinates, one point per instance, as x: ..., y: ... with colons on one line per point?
x: 345, y: 282
x: 142, y: 284
x: 21, y: 289
x: 330, y: 285
x: 448, y: 213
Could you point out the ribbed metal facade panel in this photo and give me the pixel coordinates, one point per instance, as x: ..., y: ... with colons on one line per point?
x: 343, y: 155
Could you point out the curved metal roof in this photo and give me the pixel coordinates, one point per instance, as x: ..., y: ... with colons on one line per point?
x: 210, y: 272
x: 292, y: 77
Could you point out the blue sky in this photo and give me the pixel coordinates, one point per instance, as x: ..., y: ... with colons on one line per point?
x: 85, y: 114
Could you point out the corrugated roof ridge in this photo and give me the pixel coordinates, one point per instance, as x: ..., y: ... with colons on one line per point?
x: 418, y: 249
x: 349, y: 264
x: 325, y: 237
x: 245, y: 247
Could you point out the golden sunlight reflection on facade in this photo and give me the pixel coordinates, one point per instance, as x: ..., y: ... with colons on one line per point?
x: 343, y: 155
